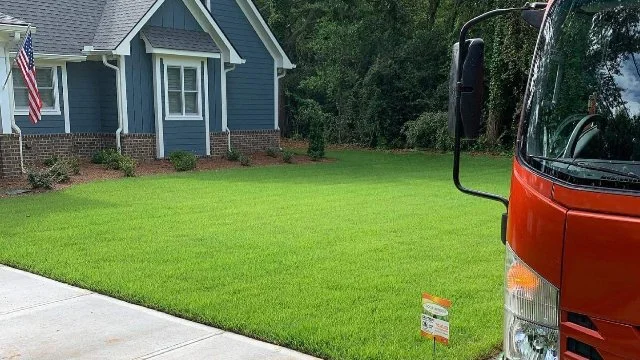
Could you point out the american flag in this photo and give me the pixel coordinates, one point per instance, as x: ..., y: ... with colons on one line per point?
x: 27, y: 67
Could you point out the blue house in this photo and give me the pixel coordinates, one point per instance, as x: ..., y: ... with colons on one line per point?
x: 148, y: 77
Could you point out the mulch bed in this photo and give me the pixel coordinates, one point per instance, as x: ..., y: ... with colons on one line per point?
x: 92, y: 172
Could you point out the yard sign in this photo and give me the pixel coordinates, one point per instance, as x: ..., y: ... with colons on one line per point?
x: 435, y: 318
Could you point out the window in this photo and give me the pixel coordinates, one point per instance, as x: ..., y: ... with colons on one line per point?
x: 47, y: 79
x: 182, y: 92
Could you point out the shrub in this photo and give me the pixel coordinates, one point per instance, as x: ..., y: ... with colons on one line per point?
x: 183, y: 160
x: 245, y: 160
x: 316, y: 139
x: 233, y: 155
x: 73, y: 165
x: 59, y: 172
x: 287, y: 157
x: 429, y: 131
x: 50, y: 161
x: 273, y: 152
x: 103, y: 155
x: 128, y: 166
x: 40, y: 179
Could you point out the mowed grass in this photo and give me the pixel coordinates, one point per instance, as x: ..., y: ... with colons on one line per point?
x: 330, y: 259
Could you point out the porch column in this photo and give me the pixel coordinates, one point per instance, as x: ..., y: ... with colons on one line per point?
x: 5, y: 96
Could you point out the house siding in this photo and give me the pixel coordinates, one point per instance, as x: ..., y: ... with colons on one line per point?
x: 93, y: 103
x: 250, y: 87
x: 174, y: 14
x: 50, y: 124
x: 215, y: 100
x: 139, y: 67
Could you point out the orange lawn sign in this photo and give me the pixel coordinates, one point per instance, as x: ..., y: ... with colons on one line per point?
x: 435, y: 318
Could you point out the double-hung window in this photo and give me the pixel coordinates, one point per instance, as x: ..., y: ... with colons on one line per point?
x: 183, y: 91
x: 47, y: 80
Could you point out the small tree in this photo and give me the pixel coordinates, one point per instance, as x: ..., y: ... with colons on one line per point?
x: 315, y: 117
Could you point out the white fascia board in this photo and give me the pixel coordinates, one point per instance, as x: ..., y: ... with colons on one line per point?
x: 208, y: 23
x: 262, y: 29
x: 21, y: 29
x: 55, y: 58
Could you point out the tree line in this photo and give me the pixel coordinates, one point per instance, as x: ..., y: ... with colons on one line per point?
x: 370, y: 69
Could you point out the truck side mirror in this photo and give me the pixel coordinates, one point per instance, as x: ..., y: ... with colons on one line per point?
x: 533, y: 17
x: 472, y: 90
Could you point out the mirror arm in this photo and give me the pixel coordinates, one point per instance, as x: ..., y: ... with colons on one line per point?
x: 459, y: 88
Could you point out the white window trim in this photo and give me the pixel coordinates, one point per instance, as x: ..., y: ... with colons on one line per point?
x: 183, y: 64
x: 56, y: 93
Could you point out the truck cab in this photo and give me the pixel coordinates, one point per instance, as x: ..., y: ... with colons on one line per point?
x: 572, y: 229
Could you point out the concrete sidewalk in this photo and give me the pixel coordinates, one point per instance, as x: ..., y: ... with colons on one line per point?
x: 44, y: 319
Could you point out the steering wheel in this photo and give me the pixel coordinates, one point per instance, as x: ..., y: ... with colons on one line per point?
x: 578, y: 132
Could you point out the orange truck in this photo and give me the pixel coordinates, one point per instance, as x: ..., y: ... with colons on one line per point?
x: 572, y: 227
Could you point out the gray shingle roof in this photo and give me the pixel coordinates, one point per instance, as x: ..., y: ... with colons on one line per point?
x: 119, y: 17
x: 175, y: 39
x: 65, y: 27
x: 9, y: 20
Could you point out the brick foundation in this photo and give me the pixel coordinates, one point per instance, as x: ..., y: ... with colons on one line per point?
x: 247, y: 142
x: 37, y: 148
x: 141, y: 147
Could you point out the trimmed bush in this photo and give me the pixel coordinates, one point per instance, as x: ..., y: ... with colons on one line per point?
x: 128, y: 166
x: 245, y: 160
x: 102, y: 156
x: 316, y: 139
x: 73, y: 165
x: 183, y: 160
x: 40, y: 179
x: 233, y: 155
x: 51, y: 161
x: 59, y: 172
x: 287, y: 157
x: 273, y: 152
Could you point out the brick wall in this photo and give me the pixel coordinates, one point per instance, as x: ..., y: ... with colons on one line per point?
x: 141, y: 147
x: 37, y: 148
x: 245, y: 141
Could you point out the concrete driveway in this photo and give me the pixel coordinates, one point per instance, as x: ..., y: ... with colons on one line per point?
x: 44, y: 319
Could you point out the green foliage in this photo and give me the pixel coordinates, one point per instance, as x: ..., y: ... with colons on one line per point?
x: 245, y: 160
x: 51, y: 161
x: 128, y: 166
x: 40, y: 179
x: 233, y: 155
x: 273, y: 152
x: 312, y: 113
x: 287, y: 157
x: 103, y: 156
x: 429, y: 131
x: 73, y: 164
x: 183, y: 160
x: 60, y: 172
x: 372, y: 66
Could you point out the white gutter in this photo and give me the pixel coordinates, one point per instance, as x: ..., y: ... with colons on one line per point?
x: 17, y: 130
x: 277, y: 96
x: 233, y: 67
x: 119, y: 96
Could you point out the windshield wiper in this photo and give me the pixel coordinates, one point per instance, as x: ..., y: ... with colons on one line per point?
x: 584, y: 165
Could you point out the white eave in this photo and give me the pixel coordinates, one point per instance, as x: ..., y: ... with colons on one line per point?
x: 55, y: 57
x: 260, y: 26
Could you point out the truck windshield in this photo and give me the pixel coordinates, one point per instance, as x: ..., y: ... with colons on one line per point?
x: 582, y: 114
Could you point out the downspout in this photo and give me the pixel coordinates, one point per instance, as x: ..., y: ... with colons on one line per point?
x: 280, y: 76
x: 119, y: 96
x: 16, y: 128
x: 233, y: 67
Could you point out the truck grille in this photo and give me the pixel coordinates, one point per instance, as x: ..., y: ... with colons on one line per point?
x: 582, y: 349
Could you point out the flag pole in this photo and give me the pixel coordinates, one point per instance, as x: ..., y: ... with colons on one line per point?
x: 6, y: 80
x: 14, y: 126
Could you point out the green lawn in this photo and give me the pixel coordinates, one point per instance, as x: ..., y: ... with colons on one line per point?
x: 329, y: 259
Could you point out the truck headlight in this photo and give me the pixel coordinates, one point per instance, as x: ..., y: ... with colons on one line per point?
x: 531, y: 313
